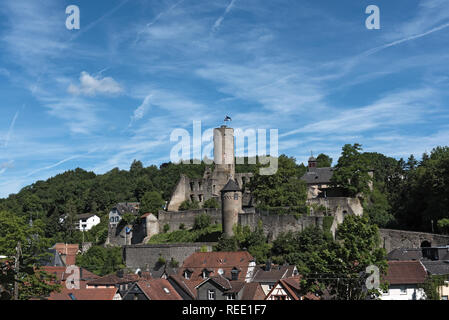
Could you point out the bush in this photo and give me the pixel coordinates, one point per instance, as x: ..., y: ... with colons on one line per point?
x: 201, y: 222
x: 189, y: 205
x: 443, y: 225
x: 166, y: 227
x: 212, y: 203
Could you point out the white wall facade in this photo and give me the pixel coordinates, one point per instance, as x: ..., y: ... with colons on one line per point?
x: 404, y: 292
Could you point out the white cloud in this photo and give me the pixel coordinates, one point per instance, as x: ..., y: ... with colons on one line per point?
x: 90, y: 86
x: 142, y: 109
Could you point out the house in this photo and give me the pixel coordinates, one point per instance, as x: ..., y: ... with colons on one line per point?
x: 268, y: 276
x: 185, y: 288
x: 405, y: 279
x: 61, y: 274
x: 420, y: 254
x: 439, y: 268
x: 86, y: 294
x: 67, y: 252
x: 152, y: 289
x: 116, y: 213
x: 87, y: 221
x: 221, y: 288
x: 289, y: 289
x: 119, y: 280
x: 234, y: 266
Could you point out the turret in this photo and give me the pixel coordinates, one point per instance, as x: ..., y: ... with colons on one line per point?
x: 231, y: 206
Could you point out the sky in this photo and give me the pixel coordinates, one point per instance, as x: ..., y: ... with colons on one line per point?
x: 115, y: 89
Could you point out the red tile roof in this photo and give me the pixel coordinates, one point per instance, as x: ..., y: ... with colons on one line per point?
x: 69, y: 251
x: 187, y: 286
x: 61, y: 274
x: 84, y: 294
x: 405, y: 272
x: 253, y: 291
x: 226, y: 261
x: 158, y: 289
x: 114, y: 279
x: 292, y: 287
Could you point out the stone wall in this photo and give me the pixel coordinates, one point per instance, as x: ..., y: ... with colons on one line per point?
x: 145, y: 257
x: 274, y: 225
x: 175, y: 219
x: 394, y: 239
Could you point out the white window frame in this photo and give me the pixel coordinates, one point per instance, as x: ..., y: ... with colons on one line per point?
x: 211, y: 295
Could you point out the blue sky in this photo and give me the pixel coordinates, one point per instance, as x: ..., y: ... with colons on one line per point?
x: 113, y: 91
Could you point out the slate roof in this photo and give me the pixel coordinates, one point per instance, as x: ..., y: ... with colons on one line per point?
x: 85, y: 216
x: 158, y: 289
x: 405, y: 272
x: 404, y: 254
x: 84, y: 294
x: 53, y: 259
x: 127, y: 207
x: 437, y: 267
x: 231, y: 186
x: 318, y: 175
x: 276, y: 273
x: 225, y: 261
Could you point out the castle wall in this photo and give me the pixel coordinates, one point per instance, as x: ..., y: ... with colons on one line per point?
x: 274, y: 225
x: 145, y: 257
x: 394, y: 239
x: 175, y: 219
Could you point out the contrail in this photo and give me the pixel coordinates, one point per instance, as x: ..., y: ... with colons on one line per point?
x: 394, y: 43
x: 148, y: 25
x: 11, y: 128
x: 220, y: 20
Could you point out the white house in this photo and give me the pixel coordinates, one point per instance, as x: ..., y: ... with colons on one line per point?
x: 87, y: 221
x: 405, y: 279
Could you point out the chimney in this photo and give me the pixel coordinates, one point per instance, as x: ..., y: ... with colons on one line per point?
x: 268, y: 265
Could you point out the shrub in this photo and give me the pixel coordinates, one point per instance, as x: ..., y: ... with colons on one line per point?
x: 212, y: 203
x: 201, y: 222
x: 166, y: 227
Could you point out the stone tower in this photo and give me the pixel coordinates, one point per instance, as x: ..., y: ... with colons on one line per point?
x: 224, y: 158
x: 231, y: 206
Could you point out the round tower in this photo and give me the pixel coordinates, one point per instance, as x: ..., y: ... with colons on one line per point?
x: 224, y: 150
x: 231, y: 206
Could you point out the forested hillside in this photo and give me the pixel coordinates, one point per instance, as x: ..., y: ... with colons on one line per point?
x: 407, y: 194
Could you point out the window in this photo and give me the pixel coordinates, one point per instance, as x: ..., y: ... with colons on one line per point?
x: 403, y: 290
x: 444, y: 298
x: 235, y: 274
x: 270, y: 286
x: 236, y: 196
x: 211, y: 295
x: 187, y: 274
x: 231, y: 296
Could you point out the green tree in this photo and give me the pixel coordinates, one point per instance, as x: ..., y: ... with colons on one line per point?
x: 151, y: 202
x: 202, y: 221
x: 351, y: 172
x: 101, y: 260
x: 324, y: 161
x: 15, y: 233
x: 283, y: 189
x: 358, y: 247
x: 378, y: 208
x: 443, y: 225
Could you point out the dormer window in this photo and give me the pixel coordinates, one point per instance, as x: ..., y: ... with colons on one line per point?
x: 235, y: 274
x: 206, y: 273
x: 187, y: 274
